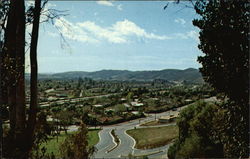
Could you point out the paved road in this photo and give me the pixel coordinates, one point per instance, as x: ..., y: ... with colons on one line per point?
x: 127, y: 143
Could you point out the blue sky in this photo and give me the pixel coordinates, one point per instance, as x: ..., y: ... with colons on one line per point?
x: 118, y: 35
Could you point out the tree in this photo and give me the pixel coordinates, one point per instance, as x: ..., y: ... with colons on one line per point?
x: 75, y: 145
x: 20, y: 138
x: 33, y: 79
x: 13, y: 67
x: 198, y: 136
x: 65, y: 119
x: 43, y: 131
x: 224, y: 39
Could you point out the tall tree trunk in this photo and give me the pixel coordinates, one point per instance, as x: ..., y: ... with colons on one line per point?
x: 33, y: 79
x: 9, y: 53
x: 13, y: 62
x: 1, y: 95
x: 20, y: 81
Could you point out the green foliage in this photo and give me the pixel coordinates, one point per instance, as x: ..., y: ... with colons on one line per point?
x: 224, y: 39
x: 191, y: 148
x: 152, y: 102
x: 65, y: 118
x: 42, y: 132
x: 197, y: 133
x: 130, y: 96
x: 120, y: 108
x: 117, y: 141
x: 75, y: 145
x: 172, y: 150
x: 234, y: 130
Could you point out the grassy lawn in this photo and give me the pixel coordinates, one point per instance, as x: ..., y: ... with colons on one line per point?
x: 154, y: 123
x: 93, y: 137
x: 153, y: 137
x: 53, y: 144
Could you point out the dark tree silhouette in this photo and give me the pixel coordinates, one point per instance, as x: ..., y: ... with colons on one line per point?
x: 13, y: 69
x: 33, y: 79
x: 20, y: 138
x: 224, y: 39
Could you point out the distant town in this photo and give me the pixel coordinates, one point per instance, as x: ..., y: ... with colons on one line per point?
x: 109, y: 102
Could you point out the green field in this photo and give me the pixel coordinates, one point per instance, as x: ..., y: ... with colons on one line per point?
x: 153, y: 137
x: 93, y: 137
x: 52, y: 145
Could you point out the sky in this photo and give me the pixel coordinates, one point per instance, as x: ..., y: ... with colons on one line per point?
x: 117, y: 35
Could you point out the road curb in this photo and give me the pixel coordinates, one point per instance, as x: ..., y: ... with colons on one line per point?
x: 113, y: 139
x: 133, y: 147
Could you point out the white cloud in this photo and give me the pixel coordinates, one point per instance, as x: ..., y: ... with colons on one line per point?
x: 180, y: 21
x: 105, y: 3
x: 120, y: 32
x: 127, y: 27
x: 119, y: 7
x: 193, y: 34
x: 188, y: 35
x: 72, y: 31
x: 101, y: 33
x: 109, y: 4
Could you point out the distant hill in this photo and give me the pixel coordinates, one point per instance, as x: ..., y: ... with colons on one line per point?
x: 188, y: 75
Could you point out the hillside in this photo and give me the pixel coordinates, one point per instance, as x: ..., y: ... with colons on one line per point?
x: 189, y: 75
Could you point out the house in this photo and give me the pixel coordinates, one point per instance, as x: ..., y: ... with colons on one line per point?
x: 60, y: 102
x: 109, y: 111
x: 44, y: 105
x: 188, y: 101
x: 60, y: 89
x: 165, y: 119
x: 51, y: 98
x: 136, y: 104
x: 128, y: 107
x: 123, y: 99
x: 154, y: 98
x: 98, y: 106
x: 168, y: 118
x: 61, y: 95
x: 49, y: 90
x: 135, y: 112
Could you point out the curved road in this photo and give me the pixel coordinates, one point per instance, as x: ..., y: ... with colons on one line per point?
x: 127, y: 143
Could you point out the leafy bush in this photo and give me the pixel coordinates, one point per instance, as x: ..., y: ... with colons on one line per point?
x: 198, y: 136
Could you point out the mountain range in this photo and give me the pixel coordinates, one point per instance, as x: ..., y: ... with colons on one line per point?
x: 190, y: 75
